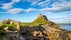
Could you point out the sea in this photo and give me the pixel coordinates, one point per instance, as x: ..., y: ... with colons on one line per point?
x: 66, y: 26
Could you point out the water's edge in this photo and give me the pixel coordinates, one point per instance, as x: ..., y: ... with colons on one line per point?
x: 66, y: 26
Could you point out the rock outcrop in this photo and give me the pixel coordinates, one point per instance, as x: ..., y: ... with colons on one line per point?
x: 11, y: 24
x: 43, y: 17
x: 18, y: 26
x: 45, y: 30
x: 51, y: 31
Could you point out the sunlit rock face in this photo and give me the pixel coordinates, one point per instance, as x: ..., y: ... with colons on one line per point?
x: 10, y: 25
x: 11, y: 22
x: 18, y: 25
x: 45, y: 30
x: 42, y: 16
x: 50, y: 31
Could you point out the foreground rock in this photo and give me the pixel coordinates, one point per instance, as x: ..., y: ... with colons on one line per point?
x: 47, y: 31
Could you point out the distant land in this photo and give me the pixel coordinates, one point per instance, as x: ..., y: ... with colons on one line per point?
x: 63, y: 23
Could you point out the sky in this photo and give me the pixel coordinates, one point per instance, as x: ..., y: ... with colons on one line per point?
x: 58, y: 11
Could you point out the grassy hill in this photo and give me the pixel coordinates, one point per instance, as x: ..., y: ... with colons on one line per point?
x: 41, y: 19
x: 28, y: 28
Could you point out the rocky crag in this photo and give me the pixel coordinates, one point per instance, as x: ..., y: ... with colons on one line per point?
x: 43, y: 30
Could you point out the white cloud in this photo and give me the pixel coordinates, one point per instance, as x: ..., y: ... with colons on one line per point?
x: 47, y: 0
x: 62, y: 4
x: 30, y: 9
x: 15, y: 0
x: 59, y: 7
x: 15, y: 11
x: 19, y: 10
x: 44, y: 2
x: 50, y: 9
x: 56, y: 6
x: 7, y: 6
x: 34, y: 2
x: 38, y: 2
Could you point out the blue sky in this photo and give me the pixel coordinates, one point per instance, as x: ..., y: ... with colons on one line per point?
x: 58, y: 11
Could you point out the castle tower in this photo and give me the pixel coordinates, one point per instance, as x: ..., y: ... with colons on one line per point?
x: 40, y: 15
x: 43, y: 16
x: 18, y: 25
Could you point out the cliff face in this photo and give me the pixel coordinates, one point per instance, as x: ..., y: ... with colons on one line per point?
x: 57, y: 34
x: 47, y: 31
x: 52, y: 31
x: 44, y: 30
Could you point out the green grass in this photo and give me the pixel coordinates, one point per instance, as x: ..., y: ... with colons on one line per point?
x: 36, y: 22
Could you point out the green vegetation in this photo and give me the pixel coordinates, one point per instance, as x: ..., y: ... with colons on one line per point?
x: 2, y: 32
x: 36, y: 22
x: 11, y: 27
x: 4, y: 24
x: 28, y: 29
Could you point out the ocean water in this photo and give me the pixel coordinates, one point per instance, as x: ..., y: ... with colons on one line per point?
x: 66, y: 26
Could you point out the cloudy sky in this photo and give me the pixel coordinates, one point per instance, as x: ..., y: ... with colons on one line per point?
x: 27, y: 10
